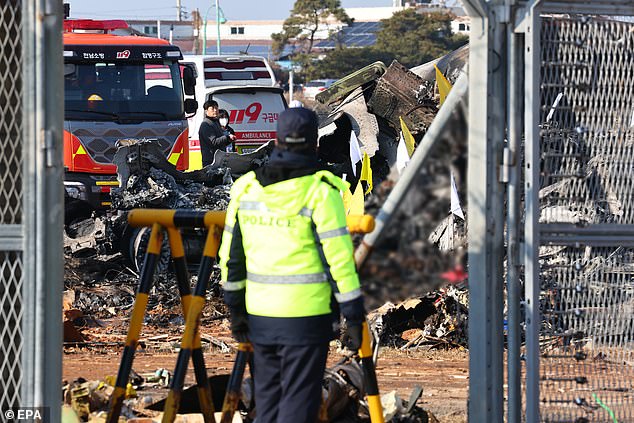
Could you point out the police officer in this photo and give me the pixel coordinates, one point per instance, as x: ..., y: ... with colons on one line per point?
x: 285, y: 251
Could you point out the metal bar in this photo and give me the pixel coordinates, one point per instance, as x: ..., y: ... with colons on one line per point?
x: 175, y: 218
x: 136, y: 322
x: 395, y: 199
x: 29, y: 193
x: 514, y: 340
x: 487, y: 95
x: 191, y: 326
x: 531, y: 199
x: 596, y: 229
x: 199, y: 219
x: 51, y: 208
x: 217, y: 28
x: 182, y: 279
x: 202, y: 381
x: 593, y: 7
x: 578, y: 240
x: 42, y: 121
x: 11, y: 244
x: 234, y: 387
x: 11, y: 231
x: 369, y: 377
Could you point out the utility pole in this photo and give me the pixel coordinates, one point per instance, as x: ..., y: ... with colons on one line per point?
x: 218, y: 28
x: 196, y: 24
x: 179, y: 15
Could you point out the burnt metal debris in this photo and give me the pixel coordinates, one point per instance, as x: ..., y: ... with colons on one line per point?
x: 101, y: 266
x: 406, y: 263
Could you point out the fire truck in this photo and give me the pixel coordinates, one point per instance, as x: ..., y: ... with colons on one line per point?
x: 118, y: 86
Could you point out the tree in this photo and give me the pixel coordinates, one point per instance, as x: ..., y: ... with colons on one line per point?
x: 409, y: 37
x: 306, y: 18
x: 413, y: 38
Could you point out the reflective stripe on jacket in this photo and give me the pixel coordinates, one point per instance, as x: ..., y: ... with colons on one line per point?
x: 285, y: 229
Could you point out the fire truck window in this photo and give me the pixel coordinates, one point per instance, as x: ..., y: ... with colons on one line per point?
x: 112, y: 90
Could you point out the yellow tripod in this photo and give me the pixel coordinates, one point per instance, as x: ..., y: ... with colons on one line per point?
x: 171, y: 220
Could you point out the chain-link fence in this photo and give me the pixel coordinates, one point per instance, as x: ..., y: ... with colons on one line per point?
x: 11, y: 210
x: 31, y: 206
x: 586, y: 200
x: 551, y: 128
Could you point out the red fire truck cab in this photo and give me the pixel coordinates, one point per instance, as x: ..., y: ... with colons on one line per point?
x: 118, y: 87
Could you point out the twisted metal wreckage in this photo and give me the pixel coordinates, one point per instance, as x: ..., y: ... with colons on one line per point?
x: 370, y: 102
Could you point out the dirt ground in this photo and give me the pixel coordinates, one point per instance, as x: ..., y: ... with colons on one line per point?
x: 442, y: 374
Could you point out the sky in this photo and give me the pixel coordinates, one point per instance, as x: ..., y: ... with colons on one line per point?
x: 166, y: 9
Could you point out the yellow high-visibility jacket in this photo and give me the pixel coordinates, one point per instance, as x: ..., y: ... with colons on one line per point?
x: 293, y: 250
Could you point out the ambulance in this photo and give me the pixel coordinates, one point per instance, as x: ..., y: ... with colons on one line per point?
x: 245, y: 86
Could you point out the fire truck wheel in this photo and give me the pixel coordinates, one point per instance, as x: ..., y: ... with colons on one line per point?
x: 138, y: 246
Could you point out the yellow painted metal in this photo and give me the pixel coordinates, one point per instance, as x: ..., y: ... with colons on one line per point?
x: 176, y: 242
x: 213, y: 241
x: 136, y: 320
x: 216, y: 218
x: 171, y: 406
x: 360, y: 224
x: 366, y: 347
x: 376, y: 409
x: 196, y: 305
x: 245, y: 346
x: 206, y: 405
x: 156, y: 240
x: 148, y: 217
x: 374, y: 401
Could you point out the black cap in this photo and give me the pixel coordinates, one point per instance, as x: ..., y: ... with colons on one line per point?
x: 297, y: 126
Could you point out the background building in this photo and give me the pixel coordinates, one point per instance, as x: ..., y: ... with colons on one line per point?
x: 254, y: 36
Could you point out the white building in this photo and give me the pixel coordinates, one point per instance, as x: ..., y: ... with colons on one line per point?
x: 262, y: 30
x: 179, y: 29
x: 461, y: 25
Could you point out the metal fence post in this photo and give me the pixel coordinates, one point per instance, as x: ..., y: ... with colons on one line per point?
x: 487, y: 95
x: 512, y: 162
x: 44, y: 205
x: 531, y: 190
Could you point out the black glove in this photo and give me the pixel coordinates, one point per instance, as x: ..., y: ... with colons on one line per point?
x: 353, y: 336
x: 239, y: 327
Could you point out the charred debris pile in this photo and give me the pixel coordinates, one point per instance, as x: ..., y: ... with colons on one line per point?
x: 423, y: 243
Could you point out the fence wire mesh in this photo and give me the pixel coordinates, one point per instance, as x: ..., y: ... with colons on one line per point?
x: 11, y: 112
x: 587, y: 178
x: 10, y: 329
x: 11, y: 210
